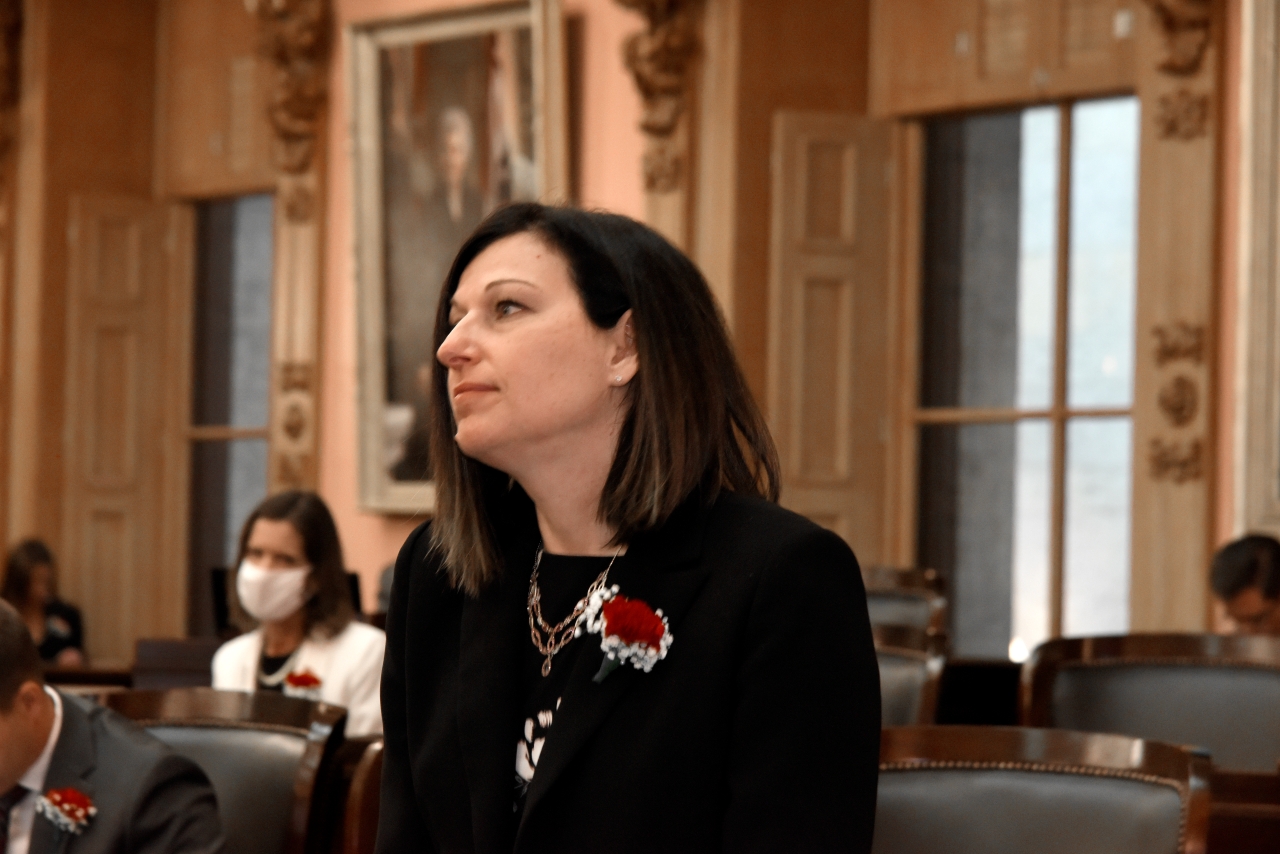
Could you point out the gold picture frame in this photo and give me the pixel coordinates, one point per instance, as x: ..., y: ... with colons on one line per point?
x: 453, y: 115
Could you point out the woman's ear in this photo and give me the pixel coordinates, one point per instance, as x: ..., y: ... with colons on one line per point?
x: 624, y: 358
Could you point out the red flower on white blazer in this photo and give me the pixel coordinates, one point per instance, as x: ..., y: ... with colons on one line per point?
x: 630, y: 631
x: 69, y: 809
x: 302, y: 679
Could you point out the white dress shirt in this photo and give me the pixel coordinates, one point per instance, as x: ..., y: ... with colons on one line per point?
x: 23, y: 816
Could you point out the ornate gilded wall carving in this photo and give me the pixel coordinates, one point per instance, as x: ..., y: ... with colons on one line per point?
x: 1179, y: 340
x: 659, y: 58
x: 296, y: 37
x: 1176, y: 461
x: 1185, y: 24
x: 1183, y: 115
x: 1179, y: 400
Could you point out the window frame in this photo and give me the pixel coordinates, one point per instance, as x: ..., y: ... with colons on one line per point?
x: 1058, y: 415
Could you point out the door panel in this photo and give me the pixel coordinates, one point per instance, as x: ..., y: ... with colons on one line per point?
x: 829, y: 325
x: 127, y: 273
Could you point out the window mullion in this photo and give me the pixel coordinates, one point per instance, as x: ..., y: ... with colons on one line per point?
x: 1058, y: 413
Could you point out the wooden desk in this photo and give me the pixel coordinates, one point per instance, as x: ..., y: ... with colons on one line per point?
x: 64, y: 677
x: 1245, y: 814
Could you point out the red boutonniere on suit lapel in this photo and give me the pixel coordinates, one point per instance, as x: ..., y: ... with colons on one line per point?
x: 68, y: 809
x: 630, y: 631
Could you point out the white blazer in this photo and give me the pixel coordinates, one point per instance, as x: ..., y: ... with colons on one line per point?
x: 348, y: 665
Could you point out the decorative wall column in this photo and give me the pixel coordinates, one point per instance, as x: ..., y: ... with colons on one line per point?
x: 660, y: 58
x: 1177, y: 82
x: 296, y: 38
x: 10, y: 65
x: 1256, y: 466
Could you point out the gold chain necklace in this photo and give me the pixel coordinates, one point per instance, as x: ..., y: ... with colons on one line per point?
x: 561, y: 633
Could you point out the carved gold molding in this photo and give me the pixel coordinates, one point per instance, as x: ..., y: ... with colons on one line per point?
x: 1179, y: 340
x: 1183, y: 115
x: 1185, y: 24
x: 1179, y: 400
x: 659, y: 58
x: 1176, y: 461
x: 295, y: 36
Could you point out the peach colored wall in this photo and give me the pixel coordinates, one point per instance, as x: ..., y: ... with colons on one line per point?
x: 611, y: 148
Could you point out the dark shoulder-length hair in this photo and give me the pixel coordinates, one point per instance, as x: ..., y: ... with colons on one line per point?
x: 329, y: 609
x: 692, y: 423
x: 23, y: 560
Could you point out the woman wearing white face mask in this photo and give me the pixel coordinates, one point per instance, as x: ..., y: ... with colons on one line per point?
x: 290, y: 583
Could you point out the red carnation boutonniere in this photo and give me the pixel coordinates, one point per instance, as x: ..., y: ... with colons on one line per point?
x: 303, y: 680
x: 68, y: 809
x: 630, y: 631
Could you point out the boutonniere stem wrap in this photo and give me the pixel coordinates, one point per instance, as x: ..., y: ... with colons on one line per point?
x: 68, y: 809
x: 630, y: 631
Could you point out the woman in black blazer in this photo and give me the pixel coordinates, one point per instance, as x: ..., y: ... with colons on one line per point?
x: 610, y: 639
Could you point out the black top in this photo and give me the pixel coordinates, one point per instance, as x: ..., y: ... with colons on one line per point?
x: 759, y: 732
x: 272, y: 665
x: 62, y: 630
x: 562, y: 580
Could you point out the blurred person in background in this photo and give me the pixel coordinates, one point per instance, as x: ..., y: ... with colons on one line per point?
x: 290, y: 593
x: 31, y: 587
x: 1245, y: 576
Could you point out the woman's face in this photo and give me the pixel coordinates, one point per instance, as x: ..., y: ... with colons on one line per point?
x: 529, y: 374
x: 275, y: 544
x: 41, y: 590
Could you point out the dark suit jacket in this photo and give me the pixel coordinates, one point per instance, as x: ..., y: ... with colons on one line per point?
x: 760, y: 731
x: 150, y: 800
x: 63, y: 629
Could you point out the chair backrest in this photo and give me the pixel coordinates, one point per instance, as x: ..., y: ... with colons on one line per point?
x: 905, y: 596
x: 911, y: 663
x: 263, y: 753
x: 1220, y: 693
x: 163, y: 663
x: 363, y: 800
x: 1018, y: 790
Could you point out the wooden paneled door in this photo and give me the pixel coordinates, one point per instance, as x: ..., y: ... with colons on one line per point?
x: 829, y: 324
x: 123, y: 534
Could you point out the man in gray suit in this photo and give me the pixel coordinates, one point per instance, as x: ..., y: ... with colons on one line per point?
x: 78, y: 779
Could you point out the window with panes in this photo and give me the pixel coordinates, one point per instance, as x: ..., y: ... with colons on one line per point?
x: 230, y: 390
x: 1026, y: 349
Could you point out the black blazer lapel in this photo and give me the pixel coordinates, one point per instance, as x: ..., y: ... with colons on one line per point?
x: 72, y: 764
x: 658, y: 568
x: 488, y: 708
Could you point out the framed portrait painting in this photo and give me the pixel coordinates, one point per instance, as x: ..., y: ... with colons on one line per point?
x: 454, y: 115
